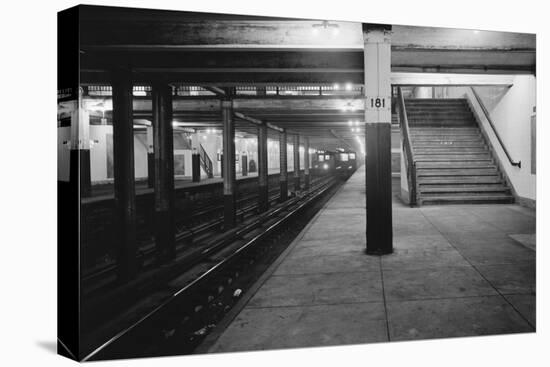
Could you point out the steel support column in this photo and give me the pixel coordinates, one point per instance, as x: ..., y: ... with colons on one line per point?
x: 283, y: 177
x: 306, y: 164
x: 195, y: 166
x: 163, y: 145
x: 377, y: 60
x: 228, y: 167
x: 124, y: 186
x: 150, y: 157
x: 79, y: 158
x: 296, y: 153
x: 263, y: 201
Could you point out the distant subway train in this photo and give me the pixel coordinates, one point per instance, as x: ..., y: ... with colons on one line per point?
x: 340, y: 162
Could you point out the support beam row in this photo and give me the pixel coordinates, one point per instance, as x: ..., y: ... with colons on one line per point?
x: 377, y: 102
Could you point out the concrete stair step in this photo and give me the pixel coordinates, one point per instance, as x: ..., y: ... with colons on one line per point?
x: 462, y: 159
x: 443, y: 114
x: 468, y: 199
x: 448, y: 118
x: 456, y: 173
x: 439, y: 137
x: 448, y: 189
x: 456, y: 152
x: 448, y: 143
x: 458, y: 180
x: 438, y: 101
x: 443, y: 131
x: 447, y: 137
x: 438, y: 124
x: 450, y: 148
x: 455, y: 165
x: 451, y: 108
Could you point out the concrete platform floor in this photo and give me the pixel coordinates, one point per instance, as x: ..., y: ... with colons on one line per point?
x: 460, y: 270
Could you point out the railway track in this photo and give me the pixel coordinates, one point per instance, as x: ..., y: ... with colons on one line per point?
x: 201, y: 226
x: 212, y: 282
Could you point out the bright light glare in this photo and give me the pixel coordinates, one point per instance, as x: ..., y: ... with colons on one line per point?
x: 325, y: 166
x: 348, y: 86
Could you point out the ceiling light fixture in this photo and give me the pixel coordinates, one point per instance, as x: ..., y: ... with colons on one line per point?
x: 325, y: 24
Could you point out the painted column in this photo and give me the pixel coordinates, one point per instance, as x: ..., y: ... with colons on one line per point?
x: 377, y: 58
x: 263, y: 201
x: 228, y: 167
x: 163, y: 139
x: 196, y: 166
x: 195, y: 158
x: 296, y: 153
x: 79, y: 159
x: 283, y: 177
x: 123, y: 156
x: 306, y: 164
x: 244, y: 164
x: 150, y: 157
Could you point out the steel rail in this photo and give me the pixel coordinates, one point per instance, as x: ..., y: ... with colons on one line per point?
x: 312, y: 195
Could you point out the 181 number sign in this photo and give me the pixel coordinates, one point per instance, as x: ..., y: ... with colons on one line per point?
x: 377, y: 103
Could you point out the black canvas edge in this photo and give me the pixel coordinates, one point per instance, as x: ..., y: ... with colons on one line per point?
x: 68, y: 198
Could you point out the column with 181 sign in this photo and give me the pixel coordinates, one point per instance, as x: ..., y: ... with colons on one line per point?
x: 377, y: 61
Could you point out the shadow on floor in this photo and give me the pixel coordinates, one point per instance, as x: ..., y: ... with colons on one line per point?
x: 48, y: 345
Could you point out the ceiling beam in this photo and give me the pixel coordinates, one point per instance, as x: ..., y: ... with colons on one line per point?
x: 112, y: 27
x: 341, y: 139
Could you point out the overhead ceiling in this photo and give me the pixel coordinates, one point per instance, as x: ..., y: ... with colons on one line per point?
x: 226, y: 50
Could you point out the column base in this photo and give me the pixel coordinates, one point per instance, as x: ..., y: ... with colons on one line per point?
x: 196, y: 167
x: 79, y: 170
x: 263, y: 201
x: 306, y: 182
x: 378, y: 252
x: 297, y: 186
x: 151, y: 169
x: 127, y: 265
x: 165, y: 238
x: 244, y: 165
x: 229, y: 212
x: 284, y: 191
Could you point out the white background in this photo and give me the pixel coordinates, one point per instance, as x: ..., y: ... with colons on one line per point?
x: 28, y: 182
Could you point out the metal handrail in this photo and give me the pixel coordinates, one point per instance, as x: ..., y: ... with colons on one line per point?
x: 484, y: 109
x: 206, y: 161
x: 410, y: 163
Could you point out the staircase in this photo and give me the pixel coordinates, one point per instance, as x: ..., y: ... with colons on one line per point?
x: 206, y: 162
x: 453, y: 162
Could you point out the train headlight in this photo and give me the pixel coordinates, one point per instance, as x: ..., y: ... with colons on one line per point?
x: 325, y: 166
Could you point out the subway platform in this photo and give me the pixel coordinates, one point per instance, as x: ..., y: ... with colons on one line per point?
x: 456, y: 270
x: 105, y: 191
